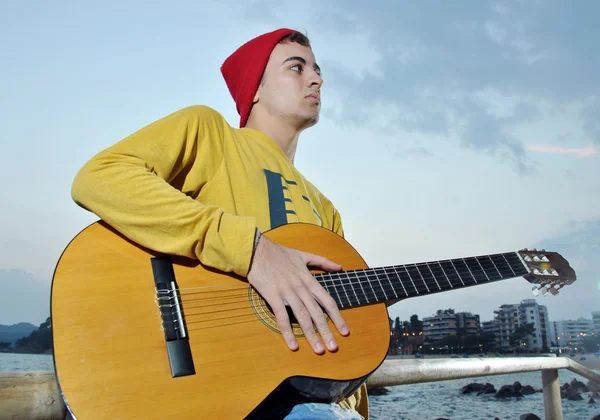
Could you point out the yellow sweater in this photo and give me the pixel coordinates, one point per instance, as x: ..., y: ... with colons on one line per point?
x: 232, y: 180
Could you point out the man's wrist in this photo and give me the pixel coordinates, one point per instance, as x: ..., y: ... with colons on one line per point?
x: 257, y: 236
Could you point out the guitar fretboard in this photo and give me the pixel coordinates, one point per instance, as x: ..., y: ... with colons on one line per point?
x: 373, y: 285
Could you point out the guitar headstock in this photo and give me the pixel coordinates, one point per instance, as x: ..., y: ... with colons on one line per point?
x: 548, y: 271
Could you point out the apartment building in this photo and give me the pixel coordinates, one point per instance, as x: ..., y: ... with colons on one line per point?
x: 596, y: 322
x: 510, y: 317
x: 439, y: 326
x: 571, y: 333
x: 492, y: 327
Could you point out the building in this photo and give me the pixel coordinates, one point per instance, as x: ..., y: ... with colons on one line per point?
x: 596, y: 322
x: 492, y: 327
x: 571, y: 333
x: 510, y: 317
x: 436, y: 327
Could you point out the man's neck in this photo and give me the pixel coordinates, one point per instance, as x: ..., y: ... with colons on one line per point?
x: 285, y: 136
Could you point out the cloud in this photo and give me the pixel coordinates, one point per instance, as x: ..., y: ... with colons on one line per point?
x: 431, y: 64
x: 575, y: 152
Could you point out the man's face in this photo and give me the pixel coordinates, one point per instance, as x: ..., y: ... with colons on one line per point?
x: 291, y: 85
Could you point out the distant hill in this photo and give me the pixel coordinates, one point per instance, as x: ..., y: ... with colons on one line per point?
x: 11, y: 333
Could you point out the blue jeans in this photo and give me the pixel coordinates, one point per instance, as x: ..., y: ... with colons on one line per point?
x: 322, y: 411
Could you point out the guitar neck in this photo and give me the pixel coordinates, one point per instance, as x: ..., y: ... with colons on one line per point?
x: 355, y: 288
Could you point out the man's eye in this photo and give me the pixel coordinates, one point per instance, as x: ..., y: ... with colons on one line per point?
x: 297, y: 67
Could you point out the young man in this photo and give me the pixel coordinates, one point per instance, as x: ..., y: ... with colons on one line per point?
x: 190, y: 184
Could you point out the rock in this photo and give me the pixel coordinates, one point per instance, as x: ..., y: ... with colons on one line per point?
x: 591, y: 400
x: 527, y: 390
x: 571, y: 392
x: 578, y: 386
x: 442, y: 418
x: 517, y: 386
x: 574, y: 397
x: 507, y: 391
x: 529, y: 416
x: 597, y: 417
x: 472, y: 387
x: 487, y: 389
x: 380, y: 390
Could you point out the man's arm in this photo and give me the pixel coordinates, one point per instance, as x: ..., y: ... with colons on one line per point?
x: 129, y: 185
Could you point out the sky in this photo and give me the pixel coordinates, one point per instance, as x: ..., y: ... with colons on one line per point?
x: 448, y: 129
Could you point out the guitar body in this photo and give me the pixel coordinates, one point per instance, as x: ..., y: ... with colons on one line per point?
x: 110, y: 349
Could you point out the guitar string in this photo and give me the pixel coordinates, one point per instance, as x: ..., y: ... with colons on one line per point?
x: 325, y: 278
x: 360, y: 274
x: 372, y: 276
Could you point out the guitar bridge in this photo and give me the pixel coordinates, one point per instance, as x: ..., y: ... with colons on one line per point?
x: 171, y: 310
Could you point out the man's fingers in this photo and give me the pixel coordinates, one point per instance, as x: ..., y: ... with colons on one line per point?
x: 319, y: 320
x: 305, y: 319
x: 320, y: 262
x: 327, y: 302
x: 285, y: 325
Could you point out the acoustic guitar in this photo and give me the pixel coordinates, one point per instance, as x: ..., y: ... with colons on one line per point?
x: 141, y: 335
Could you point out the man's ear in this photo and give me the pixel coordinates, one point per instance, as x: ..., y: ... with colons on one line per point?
x: 256, y: 96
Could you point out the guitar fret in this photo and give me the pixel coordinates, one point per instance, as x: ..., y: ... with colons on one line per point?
x: 482, y: 269
x: 476, y: 270
x: 352, y: 287
x: 459, y: 276
x: 383, y: 294
x: 438, y: 275
x: 433, y: 275
x: 502, y: 265
x: 360, y: 283
x: 341, y: 285
x: 407, y: 267
x: 470, y: 272
x: 324, y: 276
x: 421, y: 275
x: 520, y: 268
x: 490, y: 270
x: 490, y: 257
x: 509, y: 266
x: 445, y: 275
x: 390, y: 281
x: 409, y: 278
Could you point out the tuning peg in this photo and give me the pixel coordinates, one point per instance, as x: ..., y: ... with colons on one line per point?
x: 554, y: 291
x: 535, y: 291
x: 545, y: 290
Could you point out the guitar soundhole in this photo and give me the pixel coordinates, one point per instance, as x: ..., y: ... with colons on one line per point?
x: 264, y: 312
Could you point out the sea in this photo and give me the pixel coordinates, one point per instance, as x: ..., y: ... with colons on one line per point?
x: 426, y: 401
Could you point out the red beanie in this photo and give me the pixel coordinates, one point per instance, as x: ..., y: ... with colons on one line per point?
x: 244, y: 68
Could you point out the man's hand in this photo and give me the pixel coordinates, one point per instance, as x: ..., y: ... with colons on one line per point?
x: 281, y: 276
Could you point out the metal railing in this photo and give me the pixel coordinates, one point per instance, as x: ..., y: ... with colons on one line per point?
x: 411, y: 371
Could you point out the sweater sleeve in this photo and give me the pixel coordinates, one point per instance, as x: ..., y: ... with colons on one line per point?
x: 337, y: 223
x: 136, y: 187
